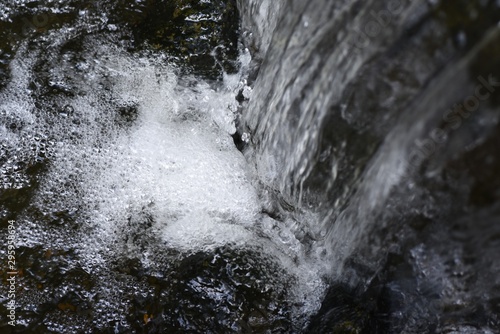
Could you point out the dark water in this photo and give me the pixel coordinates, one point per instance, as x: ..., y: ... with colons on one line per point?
x: 365, y: 198
x: 374, y: 116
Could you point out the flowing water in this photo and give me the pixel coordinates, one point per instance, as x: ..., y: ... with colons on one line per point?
x: 251, y: 167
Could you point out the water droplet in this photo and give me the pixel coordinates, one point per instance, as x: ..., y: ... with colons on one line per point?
x: 245, y: 137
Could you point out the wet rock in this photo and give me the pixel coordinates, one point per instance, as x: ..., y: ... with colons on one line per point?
x: 229, y: 291
x: 200, y: 34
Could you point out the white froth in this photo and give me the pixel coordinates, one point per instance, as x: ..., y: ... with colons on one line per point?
x: 177, y: 160
x: 175, y: 163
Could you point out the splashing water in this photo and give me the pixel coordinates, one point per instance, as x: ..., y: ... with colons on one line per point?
x: 137, y: 165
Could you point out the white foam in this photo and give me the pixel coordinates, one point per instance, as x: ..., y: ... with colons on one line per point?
x: 176, y: 164
x: 177, y: 160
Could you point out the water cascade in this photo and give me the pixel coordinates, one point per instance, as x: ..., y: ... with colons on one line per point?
x: 255, y: 166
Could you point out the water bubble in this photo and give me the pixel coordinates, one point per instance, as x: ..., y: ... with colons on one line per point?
x: 245, y: 137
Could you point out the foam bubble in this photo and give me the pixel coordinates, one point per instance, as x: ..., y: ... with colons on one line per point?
x: 141, y: 161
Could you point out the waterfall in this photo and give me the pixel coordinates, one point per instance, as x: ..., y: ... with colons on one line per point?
x: 251, y: 166
x: 371, y: 115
